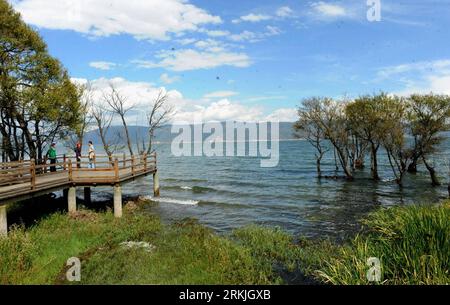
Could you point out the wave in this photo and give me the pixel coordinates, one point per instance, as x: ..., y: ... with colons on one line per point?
x: 173, y: 201
x: 203, y: 189
x: 183, y: 180
x: 195, y: 189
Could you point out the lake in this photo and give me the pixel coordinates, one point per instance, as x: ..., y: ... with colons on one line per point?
x: 230, y: 192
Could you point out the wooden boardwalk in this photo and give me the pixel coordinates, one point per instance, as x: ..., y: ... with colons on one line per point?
x: 26, y: 179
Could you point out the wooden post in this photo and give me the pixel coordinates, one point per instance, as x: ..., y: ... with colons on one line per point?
x: 156, y: 191
x: 117, y: 201
x: 21, y: 166
x: 145, y: 162
x: 33, y: 174
x: 72, y: 199
x: 116, y: 169
x: 70, y: 171
x: 64, y: 162
x: 124, y: 160
x: 132, y: 165
x: 3, y: 222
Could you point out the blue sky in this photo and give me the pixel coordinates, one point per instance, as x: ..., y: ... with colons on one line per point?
x: 247, y: 60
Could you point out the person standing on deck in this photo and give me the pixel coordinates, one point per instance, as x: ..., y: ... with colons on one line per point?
x: 51, y: 154
x: 78, y: 154
x: 91, y: 154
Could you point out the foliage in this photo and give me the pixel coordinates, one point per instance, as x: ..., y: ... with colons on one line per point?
x: 38, y: 102
x: 411, y: 242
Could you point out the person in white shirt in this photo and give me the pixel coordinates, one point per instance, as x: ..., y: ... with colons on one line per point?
x: 91, y: 154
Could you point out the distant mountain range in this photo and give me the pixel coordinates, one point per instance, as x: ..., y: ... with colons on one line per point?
x: 138, y: 133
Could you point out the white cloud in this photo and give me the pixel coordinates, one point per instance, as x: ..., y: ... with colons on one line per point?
x: 166, y: 79
x: 189, y: 59
x: 249, y: 36
x: 220, y: 94
x: 244, y: 36
x: 328, y: 10
x: 438, y: 66
x: 284, y: 11
x: 217, y: 33
x: 138, y: 94
x: 102, y: 65
x: 283, y: 115
x: 252, y: 18
x: 223, y: 110
x: 142, y: 95
x: 186, y: 41
x: 265, y: 98
x: 419, y: 77
x: 150, y: 19
x: 210, y: 45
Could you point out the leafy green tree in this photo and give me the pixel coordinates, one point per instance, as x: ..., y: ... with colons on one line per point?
x: 393, y: 130
x: 308, y: 127
x: 428, y: 117
x: 38, y: 102
x: 329, y: 117
x: 365, y: 120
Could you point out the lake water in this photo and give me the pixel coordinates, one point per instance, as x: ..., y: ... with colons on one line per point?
x: 225, y: 193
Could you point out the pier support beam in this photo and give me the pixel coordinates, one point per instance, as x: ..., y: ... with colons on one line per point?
x: 117, y: 201
x: 72, y: 199
x: 87, y: 195
x: 3, y: 222
x: 156, y: 192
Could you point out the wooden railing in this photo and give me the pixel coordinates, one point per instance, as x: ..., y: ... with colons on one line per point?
x: 102, y: 169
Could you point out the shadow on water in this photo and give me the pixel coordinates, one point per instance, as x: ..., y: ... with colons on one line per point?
x: 29, y: 212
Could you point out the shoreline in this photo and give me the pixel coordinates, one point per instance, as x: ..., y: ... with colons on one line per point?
x: 186, y: 252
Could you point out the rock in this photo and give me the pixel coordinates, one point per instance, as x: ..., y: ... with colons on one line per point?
x: 138, y: 245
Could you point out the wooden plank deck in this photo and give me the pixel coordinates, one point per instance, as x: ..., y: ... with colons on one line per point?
x: 23, y: 180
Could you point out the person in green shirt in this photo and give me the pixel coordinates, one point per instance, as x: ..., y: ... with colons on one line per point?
x: 51, y: 155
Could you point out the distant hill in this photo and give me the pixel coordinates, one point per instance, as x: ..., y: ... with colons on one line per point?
x: 164, y: 134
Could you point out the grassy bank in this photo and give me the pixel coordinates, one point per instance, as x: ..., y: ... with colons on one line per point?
x: 412, y: 244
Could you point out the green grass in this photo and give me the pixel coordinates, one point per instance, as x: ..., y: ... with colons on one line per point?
x: 412, y: 243
x: 184, y: 253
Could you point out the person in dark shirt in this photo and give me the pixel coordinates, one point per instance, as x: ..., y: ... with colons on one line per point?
x: 78, y: 154
x: 51, y: 155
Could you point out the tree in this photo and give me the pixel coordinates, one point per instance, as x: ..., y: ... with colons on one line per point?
x: 159, y: 115
x: 308, y: 127
x: 117, y: 105
x: 428, y: 118
x: 38, y: 102
x: 330, y: 118
x: 103, y: 120
x: 393, y: 130
x: 86, y: 103
x: 365, y: 118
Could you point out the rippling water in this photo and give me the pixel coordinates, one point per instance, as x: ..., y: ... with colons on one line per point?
x: 226, y: 193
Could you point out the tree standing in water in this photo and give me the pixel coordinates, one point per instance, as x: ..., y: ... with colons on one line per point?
x: 307, y: 127
x: 428, y: 117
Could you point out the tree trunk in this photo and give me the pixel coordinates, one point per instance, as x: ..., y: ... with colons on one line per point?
x: 319, y: 172
x: 374, y: 168
x: 412, y: 168
x: 127, y: 134
x: 335, y: 159
x: 344, y: 162
x: 431, y: 170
